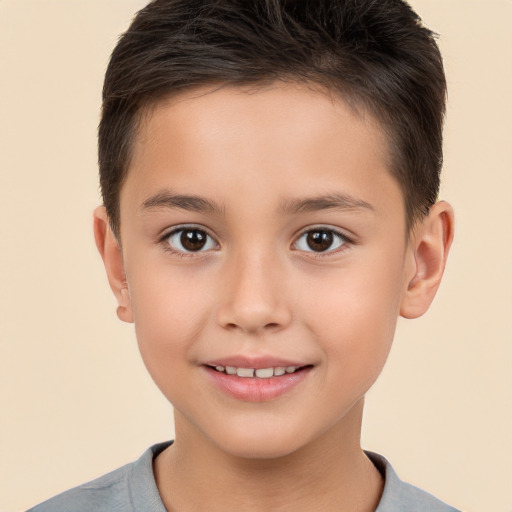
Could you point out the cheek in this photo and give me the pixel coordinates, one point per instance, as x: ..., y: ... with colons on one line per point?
x: 353, y: 314
x: 170, y: 310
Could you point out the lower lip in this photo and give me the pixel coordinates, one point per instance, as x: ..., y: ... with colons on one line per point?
x: 254, y: 389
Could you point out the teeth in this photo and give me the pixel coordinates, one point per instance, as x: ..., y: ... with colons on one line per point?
x: 261, y: 373
x: 264, y: 373
x: 245, y: 372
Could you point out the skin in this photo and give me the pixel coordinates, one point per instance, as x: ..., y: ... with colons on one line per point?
x: 260, y: 160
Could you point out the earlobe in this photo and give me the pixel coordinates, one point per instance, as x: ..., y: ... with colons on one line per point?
x: 112, y: 256
x: 430, y: 245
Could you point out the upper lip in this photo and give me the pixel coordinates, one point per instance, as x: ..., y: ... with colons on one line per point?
x: 256, y: 362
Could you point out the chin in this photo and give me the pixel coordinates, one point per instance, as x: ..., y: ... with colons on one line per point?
x: 261, y: 449
x: 260, y: 443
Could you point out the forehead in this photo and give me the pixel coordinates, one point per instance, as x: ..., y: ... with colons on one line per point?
x: 311, y: 106
x: 288, y: 139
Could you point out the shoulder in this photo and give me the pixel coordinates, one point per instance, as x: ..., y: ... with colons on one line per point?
x: 129, y: 488
x: 399, y: 496
x: 104, y: 493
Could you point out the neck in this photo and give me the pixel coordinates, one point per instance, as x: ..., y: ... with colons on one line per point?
x: 330, y: 473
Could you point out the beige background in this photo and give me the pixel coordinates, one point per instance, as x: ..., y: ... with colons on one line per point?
x: 75, y: 400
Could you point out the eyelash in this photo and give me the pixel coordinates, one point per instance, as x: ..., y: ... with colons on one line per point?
x: 164, y: 240
x: 341, y: 238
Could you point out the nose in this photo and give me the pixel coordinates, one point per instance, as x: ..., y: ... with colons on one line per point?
x: 254, y: 299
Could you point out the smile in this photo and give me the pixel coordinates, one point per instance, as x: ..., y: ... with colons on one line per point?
x: 263, y: 382
x: 260, y: 373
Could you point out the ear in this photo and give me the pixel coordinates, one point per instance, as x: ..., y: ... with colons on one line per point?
x: 429, y: 246
x: 112, y: 256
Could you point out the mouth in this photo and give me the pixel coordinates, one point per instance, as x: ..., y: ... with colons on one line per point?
x: 258, y: 373
x: 259, y: 381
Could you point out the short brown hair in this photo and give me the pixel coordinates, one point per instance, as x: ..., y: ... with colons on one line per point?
x: 377, y: 54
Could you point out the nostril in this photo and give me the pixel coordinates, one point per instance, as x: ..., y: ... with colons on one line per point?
x: 271, y: 326
x: 252, y: 318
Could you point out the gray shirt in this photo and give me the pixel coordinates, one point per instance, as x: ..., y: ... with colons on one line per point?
x: 132, y: 488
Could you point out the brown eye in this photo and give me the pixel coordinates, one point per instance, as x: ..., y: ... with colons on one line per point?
x: 190, y: 240
x: 320, y: 240
x: 193, y: 240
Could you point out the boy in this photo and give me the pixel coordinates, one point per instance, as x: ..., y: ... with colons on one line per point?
x: 269, y: 172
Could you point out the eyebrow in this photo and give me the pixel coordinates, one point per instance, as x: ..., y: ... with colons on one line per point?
x: 181, y: 201
x: 200, y: 204
x: 330, y: 201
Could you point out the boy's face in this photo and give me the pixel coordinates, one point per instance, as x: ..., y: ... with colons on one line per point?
x: 262, y: 229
